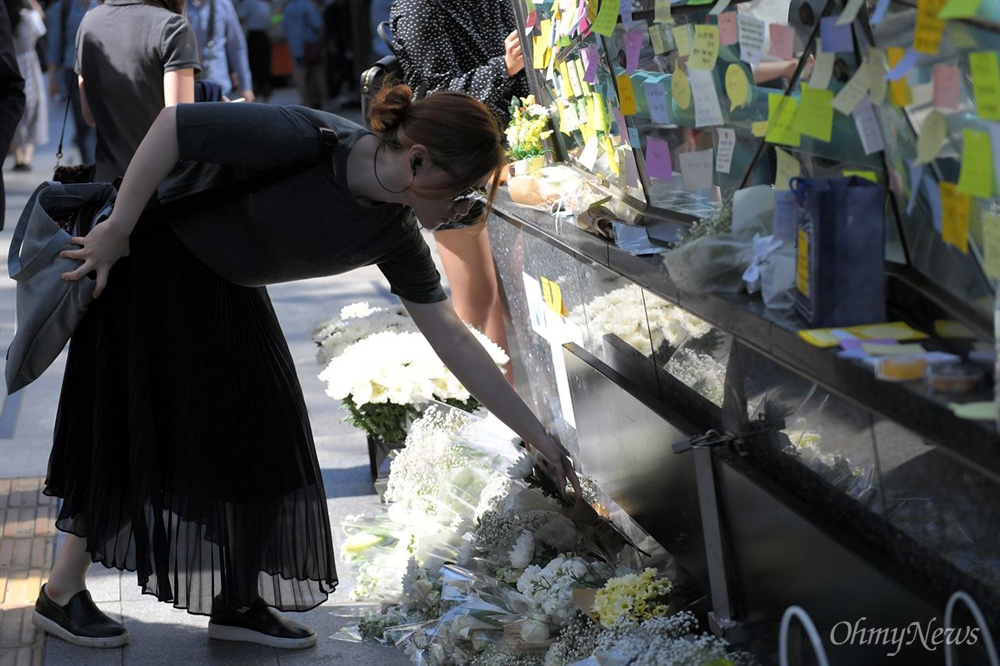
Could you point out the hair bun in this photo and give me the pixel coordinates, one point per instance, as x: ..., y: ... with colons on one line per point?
x: 390, y: 108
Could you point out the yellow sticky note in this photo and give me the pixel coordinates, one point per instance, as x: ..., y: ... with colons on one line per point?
x: 954, y: 217
x: 597, y: 111
x: 737, y: 86
x: 705, y: 50
x: 787, y: 168
x: 662, y: 12
x: 976, y: 177
x: 564, y: 125
x: 900, y: 89
x: 607, y: 16
x: 867, y: 175
x: 656, y: 39
x: 626, y: 95
x: 682, y: 38
x: 802, y: 267
x: 759, y: 128
x: 609, y: 150
x: 539, y: 49
x: 894, y: 330
x: 815, y: 115
x: 680, y: 89
x: 552, y: 294
x: 949, y: 328
x: 959, y: 9
x: 931, y: 137
x: 929, y: 28
x: 985, y: 72
x: 780, y: 120
x: 876, y: 349
x: 991, y: 243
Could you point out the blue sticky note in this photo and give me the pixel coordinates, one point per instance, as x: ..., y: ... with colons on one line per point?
x: 835, y: 37
x: 903, y: 66
x: 786, y: 215
x: 880, y: 9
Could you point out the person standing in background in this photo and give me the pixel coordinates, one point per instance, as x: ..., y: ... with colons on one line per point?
x: 63, y: 20
x: 222, y: 46
x: 304, y: 32
x: 11, y: 98
x: 255, y: 15
x: 27, y: 19
x: 378, y: 12
x: 471, y: 46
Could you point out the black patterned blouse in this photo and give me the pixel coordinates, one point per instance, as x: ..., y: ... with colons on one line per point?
x: 458, y: 45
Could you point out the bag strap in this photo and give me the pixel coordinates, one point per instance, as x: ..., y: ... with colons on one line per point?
x: 62, y: 132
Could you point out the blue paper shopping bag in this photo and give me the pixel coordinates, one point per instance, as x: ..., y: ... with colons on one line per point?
x: 840, y: 251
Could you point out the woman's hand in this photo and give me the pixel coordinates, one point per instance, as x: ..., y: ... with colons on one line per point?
x: 99, y: 250
x: 554, y: 461
x: 513, y: 55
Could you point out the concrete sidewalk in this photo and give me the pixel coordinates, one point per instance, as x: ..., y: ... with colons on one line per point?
x: 159, y: 633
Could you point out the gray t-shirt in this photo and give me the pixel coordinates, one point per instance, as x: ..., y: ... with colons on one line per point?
x: 267, y: 201
x: 124, y: 48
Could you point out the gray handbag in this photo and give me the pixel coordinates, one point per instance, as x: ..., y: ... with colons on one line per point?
x: 49, y: 308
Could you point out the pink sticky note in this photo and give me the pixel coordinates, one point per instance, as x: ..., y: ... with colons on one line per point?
x: 633, y: 42
x: 727, y: 28
x: 782, y: 40
x: 658, y: 158
x: 946, y: 83
x: 529, y: 24
x: 589, y: 55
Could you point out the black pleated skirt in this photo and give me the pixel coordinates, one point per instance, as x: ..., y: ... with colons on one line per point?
x: 182, y: 448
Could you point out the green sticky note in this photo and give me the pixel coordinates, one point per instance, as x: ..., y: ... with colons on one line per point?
x: 867, y: 175
x: 975, y: 411
x: 815, y: 115
x: 692, y: 3
x: 604, y: 24
x: 991, y: 243
x: 986, y: 83
x: 959, y: 9
x: 780, y: 120
x: 976, y: 176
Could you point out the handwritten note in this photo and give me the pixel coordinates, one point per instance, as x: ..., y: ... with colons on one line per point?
x: 724, y: 149
x: 737, y: 86
x: 835, y: 37
x: 782, y: 40
x: 697, y: 169
x: 682, y: 39
x: 705, y: 50
x: 751, y: 34
x: 727, y: 29
x: 680, y: 89
x: 656, y: 39
x: 986, y: 83
x: 626, y: 94
x: 780, y: 120
x: 899, y: 88
x: 868, y: 128
x: 787, y: 168
x: 877, y: 63
x: 850, y: 12
x: 707, y: 111
x: 719, y: 7
x: 954, y: 217
x: 929, y: 28
x: 976, y: 176
x: 959, y: 9
x: 589, y: 57
x: 661, y: 12
x: 658, y: 159
x: 656, y: 101
x: 822, y: 68
x: 815, y: 115
x: 607, y: 16
x: 633, y: 43
x: 990, y: 223
x: 856, y: 88
x: 931, y: 138
x: 946, y: 86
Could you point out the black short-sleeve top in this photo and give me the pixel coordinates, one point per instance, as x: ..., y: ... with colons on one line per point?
x: 274, y: 203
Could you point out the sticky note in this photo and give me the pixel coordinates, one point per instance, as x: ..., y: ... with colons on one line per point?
x: 759, y: 128
x: 946, y: 86
x: 680, y: 89
x: 929, y: 28
x: 991, y: 243
x: 949, y: 328
x: 538, y: 52
x: 959, y: 9
x: 682, y: 39
x: 931, y: 137
x: 656, y: 39
x: 787, y: 168
x: 609, y: 150
x: 976, y: 176
x: 737, y: 86
x: 835, y: 37
x: 751, y: 34
x: 552, y: 294
x: 852, y: 93
x: 877, y: 349
x: 705, y: 50
x: 878, y: 62
x: 822, y: 68
x: 984, y: 410
x: 954, y: 217
x: 589, y: 57
x: 529, y: 22
x: 880, y: 9
x: 662, y: 12
x: 724, y: 149
x: 656, y: 100
x: 994, y: 129
x: 633, y: 43
x: 658, y: 163
x: 719, y: 7
x: 900, y: 66
x: 626, y: 94
x: 815, y: 114
x: 780, y: 120
x: 868, y: 128
x: 588, y: 157
x: 607, y: 16
x: 782, y: 40
x: 625, y: 10
x: 696, y: 168
x: 727, y: 28
x: 986, y: 83
x: 707, y: 111
x: 850, y: 12
x: 899, y: 88
x: 867, y: 175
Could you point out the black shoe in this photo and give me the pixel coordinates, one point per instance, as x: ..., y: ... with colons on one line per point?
x: 262, y: 625
x: 79, y: 622
x: 22, y: 166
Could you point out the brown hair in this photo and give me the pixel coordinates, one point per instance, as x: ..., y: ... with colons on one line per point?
x: 459, y: 131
